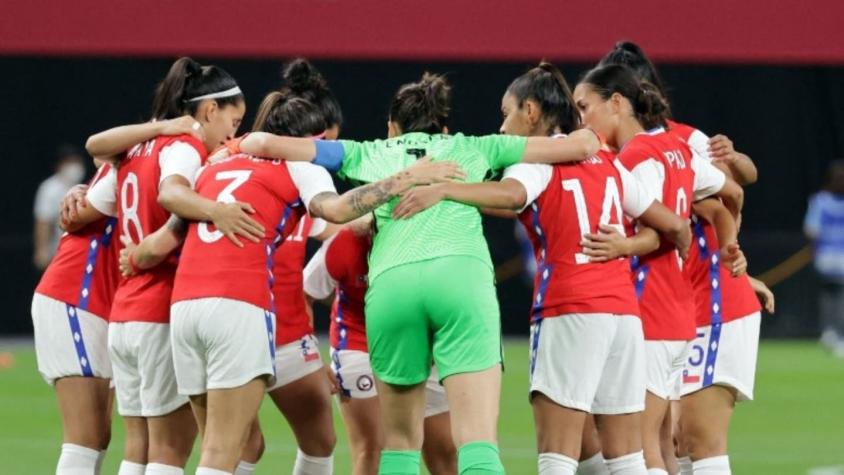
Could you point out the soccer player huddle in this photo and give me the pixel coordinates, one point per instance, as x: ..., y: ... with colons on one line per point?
x: 181, y: 281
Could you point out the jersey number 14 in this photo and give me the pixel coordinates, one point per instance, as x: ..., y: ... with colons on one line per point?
x: 612, y: 202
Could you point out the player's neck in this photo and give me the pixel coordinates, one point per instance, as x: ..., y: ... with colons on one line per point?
x: 627, y: 129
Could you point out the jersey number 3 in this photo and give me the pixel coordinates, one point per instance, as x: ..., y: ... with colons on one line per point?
x: 612, y: 200
x: 238, y: 178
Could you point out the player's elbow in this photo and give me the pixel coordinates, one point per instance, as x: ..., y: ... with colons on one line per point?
x: 515, y: 198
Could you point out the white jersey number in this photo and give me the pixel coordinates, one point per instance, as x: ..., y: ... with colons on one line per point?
x: 298, y: 235
x: 612, y: 199
x: 129, y: 194
x: 238, y: 178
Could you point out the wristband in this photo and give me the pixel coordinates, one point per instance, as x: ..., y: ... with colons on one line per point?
x: 329, y: 154
x: 135, y: 269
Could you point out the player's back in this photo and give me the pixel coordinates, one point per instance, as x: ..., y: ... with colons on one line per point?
x: 663, y: 162
x: 292, y: 318
x: 578, y: 198
x: 346, y: 263
x: 145, y: 296
x: 210, y: 264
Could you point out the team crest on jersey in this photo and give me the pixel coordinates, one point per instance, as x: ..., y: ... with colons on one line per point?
x: 364, y: 383
x: 308, y: 353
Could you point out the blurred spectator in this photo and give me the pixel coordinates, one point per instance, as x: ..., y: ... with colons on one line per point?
x: 824, y: 225
x: 69, y: 171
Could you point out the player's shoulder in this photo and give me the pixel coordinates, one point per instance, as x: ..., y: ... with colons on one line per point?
x: 186, y: 139
x: 637, y: 150
x: 681, y: 130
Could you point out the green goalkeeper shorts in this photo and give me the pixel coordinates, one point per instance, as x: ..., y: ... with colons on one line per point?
x: 443, y: 309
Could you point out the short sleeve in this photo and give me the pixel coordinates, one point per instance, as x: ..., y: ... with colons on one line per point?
x: 533, y: 177
x: 636, y: 198
x: 699, y: 143
x: 179, y: 158
x: 318, y: 283
x: 812, y: 222
x: 651, y: 174
x: 318, y: 225
x: 501, y: 151
x: 103, y: 194
x: 310, y: 180
x: 708, y: 179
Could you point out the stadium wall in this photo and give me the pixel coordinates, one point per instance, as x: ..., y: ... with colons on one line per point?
x: 790, y: 119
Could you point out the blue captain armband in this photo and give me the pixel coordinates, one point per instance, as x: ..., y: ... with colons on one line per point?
x: 329, y: 155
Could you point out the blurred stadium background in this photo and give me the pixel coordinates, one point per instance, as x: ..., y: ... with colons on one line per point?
x: 770, y: 75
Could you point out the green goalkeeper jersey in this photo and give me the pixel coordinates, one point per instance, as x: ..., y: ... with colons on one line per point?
x: 447, y: 228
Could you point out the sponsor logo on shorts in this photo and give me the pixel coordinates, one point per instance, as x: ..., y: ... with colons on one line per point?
x: 364, y: 383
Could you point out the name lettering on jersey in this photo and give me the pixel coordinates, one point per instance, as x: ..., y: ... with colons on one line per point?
x: 675, y: 159
x: 144, y: 148
x: 593, y: 160
x: 243, y: 156
x: 417, y: 140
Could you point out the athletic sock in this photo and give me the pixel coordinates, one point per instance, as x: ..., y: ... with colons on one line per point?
x: 630, y: 464
x: 400, y: 462
x: 556, y: 464
x: 211, y: 471
x: 162, y: 469
x: 712, y: 466
x: 131, y: 468
x: 657, y: 471
x: 594, y: 465
x: 100, y: 459
x: 245, y: 468
x: 310, y: 465
x: 685, y: 464
x: 479, y: 458
x: 77, y: 460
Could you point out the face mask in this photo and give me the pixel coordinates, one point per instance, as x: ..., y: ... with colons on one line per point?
x: 72, y: 172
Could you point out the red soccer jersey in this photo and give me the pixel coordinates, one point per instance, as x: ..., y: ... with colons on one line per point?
x: 664, y: 163
x: 291, y: 316
x: 719, y: 297
x: 84, y: 271
x: 146, y: 297
x: 573, y: 199
x: 346, y: 263
x: 212, y: 266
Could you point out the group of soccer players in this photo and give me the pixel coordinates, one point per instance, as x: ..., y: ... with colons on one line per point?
x: 181, y: 282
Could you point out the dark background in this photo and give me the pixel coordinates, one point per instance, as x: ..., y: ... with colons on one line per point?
x: 789, y: 119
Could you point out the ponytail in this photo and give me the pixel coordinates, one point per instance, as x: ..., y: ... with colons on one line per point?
x: 283, y: 114
x: 187, y: 82
x: 546, y: 85
x: 649, y: 106
x: 422, y: 106
x: 628, y: 53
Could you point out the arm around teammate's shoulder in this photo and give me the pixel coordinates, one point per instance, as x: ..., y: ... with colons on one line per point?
x: 579, y: 145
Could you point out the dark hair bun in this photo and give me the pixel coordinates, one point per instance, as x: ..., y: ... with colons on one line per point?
x: 437, y: 94
x: 302, y: 77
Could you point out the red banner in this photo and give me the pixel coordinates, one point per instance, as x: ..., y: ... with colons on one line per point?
x: 719, y: 31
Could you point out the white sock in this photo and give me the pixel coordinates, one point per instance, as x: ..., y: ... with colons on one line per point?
x: 309, y: 465
x: 100, y: 459
x: 685, y: 464
x: 131, y: 468
x: 77, y: 460
x: 594, y: 465
x: 630, y: 464
x: 244, y: 468
x: 657, y: 471
x: 712, y: 466
x: 556, y: 464
x: 210, y: 471
x: 162, y: 469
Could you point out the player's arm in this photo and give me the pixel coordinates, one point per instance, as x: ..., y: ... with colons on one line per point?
x: 317, y: 280
x: 710, y: 181
x: 764, y: 294
x: 719, y: 216
x: 579, y: 145
x: 294, y: 149
x: 153, y: 249
x: 741, y: 167
x: 364, y: 199
x: 83, y: 205
x: 110, y: 144
x: 507, y: 195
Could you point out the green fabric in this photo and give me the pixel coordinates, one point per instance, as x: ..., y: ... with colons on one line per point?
x: 479, y: 458
x: 443, y: 309
x: 446, y: 229
x: 399, y: 462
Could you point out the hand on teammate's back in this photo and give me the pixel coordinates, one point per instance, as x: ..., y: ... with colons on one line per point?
x: 721, y: 149
x: 126, y: 268
x: 426, y: 171
x: 605, y: 245
x: 733, y: 259
x: 232, y: 219
x: 418, y: 199
x: 73, y: 200
x: 184, y: 125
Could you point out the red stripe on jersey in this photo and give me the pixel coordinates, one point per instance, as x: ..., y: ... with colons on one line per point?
x: 84, y: 271
x: 666, y: 299
x: 565, y: 281
x: 346, y: 262
x: 737, y: 297
x: 210, y: 265
x: 145, y: 297
x: 291, y: 315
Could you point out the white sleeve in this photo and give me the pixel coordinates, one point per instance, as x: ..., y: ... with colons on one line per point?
x: 103, y: 195
x: 708, y: 179
x: 699, y: 143
x: 317, y: 227
x: 636, y: 198
x: 651, y: 174
x: 181, y: 159
x: 318, y: 283
x: 533, y: 177
x: 310, y: 180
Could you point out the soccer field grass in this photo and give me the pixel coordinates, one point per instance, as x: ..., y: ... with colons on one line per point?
x: 796, y: 424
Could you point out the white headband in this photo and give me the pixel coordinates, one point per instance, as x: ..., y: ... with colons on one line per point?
x: 216, y: 95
